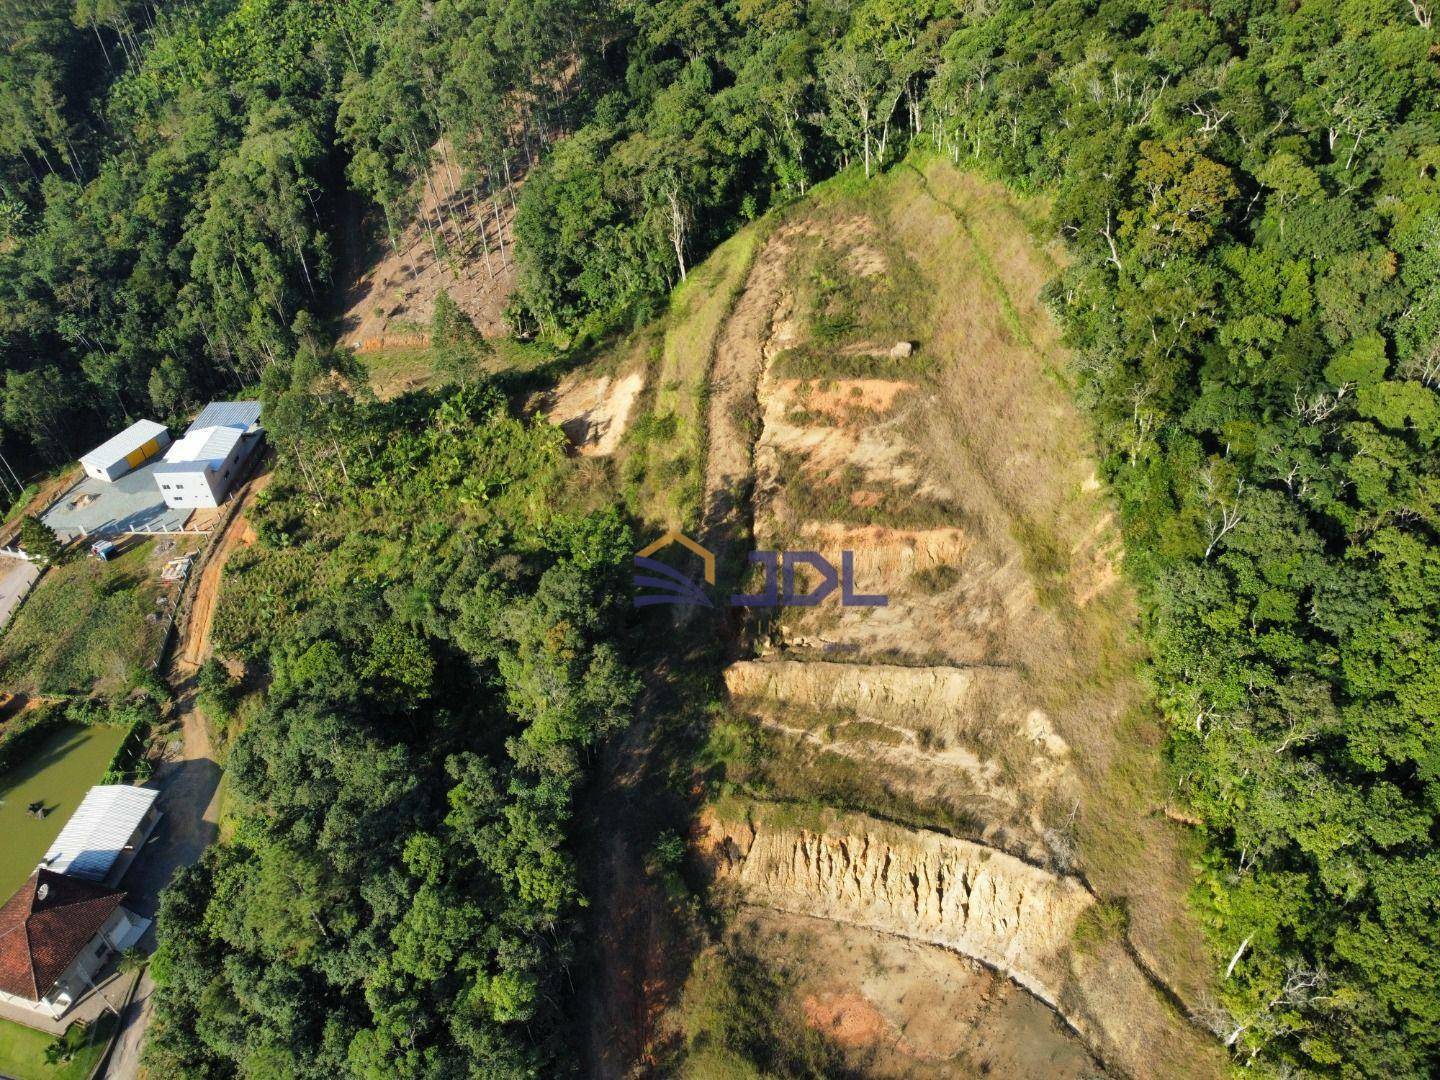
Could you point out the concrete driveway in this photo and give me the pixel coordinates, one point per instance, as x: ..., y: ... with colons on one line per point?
x: 17, y: 576
x: 97, y: 508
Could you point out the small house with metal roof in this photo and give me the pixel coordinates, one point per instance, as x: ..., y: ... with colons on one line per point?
x: 104, y: 834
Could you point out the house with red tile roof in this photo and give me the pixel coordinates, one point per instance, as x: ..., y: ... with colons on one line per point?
x: 56, y: 932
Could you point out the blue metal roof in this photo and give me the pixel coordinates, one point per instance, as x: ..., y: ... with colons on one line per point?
x: 244, y: 414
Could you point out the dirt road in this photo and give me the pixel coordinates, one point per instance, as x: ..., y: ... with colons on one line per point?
x: 189, y: 783
x: 195, y: 649
x: 741, y: 351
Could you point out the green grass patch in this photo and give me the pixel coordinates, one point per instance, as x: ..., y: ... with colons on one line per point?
x: 804, y: 779
x: 402, y: 368
x: 933, y: 580
x: 23, y: 1050
x: 663, y: 461
x: 852, y: 497
x: 1046, y: 560
x: 89, y: 626
x: 865, y: 731
x: 1103, y: 922
x: 850, y: 314
x: 740, y: 1020
x: 20, y: 502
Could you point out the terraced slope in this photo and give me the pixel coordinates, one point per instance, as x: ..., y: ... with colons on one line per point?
x: 971, y: 767
x: 1016, y: 918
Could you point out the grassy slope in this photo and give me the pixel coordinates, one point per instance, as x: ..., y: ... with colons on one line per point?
x: 663, y: 459
x: 1018, y: 439
x: 84, y: 628
x: 396, y: 370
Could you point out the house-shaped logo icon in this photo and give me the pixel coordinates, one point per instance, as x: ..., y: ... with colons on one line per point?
x: 674, y: 587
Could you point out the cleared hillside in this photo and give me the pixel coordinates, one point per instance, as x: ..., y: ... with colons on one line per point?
x: 972, y: 770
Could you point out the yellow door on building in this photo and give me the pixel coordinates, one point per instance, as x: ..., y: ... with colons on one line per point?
x: 136, y: 458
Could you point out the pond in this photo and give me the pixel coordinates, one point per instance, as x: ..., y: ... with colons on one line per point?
x: 58, y: 773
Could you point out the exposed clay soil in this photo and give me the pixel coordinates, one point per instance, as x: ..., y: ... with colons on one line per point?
x: 843, y: 399
x: 962, y: 488
x: 1015, y: 918
x: 907, y: 1010
x: 195, y: 647
x: 594, y: 412
x: 748, y: 340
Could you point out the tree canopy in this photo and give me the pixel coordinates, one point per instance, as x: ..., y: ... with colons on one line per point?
x: 1250, y: 194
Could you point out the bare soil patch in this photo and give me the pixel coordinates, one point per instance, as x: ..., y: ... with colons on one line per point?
x: 902, y: 1009
x: 849, y: 1019
x: 389, y: 303
x: 844, y: 399
x: 1029, y: 924
x: 195, y: 645
x: 594, y: 412
x: 749, y: 337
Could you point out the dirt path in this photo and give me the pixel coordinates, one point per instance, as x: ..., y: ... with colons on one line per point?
x: 195, y: 649
x: 744, y: 345
x: 189, y: 783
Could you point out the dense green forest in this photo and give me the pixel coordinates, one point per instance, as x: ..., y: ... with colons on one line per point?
x: 397, y: 896
x: 1251, y: 198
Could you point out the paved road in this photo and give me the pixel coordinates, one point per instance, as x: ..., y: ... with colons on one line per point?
x: 17, y: 577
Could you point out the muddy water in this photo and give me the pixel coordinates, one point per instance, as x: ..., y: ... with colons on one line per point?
x: 58, y: 771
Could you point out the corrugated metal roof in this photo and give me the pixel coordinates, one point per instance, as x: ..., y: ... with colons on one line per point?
x: 201, y: 446
x: 242, y: 414
x: 96, y: 833
x: 205, y: 444
x: 220, y: 442
x: 127, y: 442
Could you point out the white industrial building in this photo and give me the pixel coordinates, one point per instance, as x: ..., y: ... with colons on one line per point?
x: 134, y: 446
x: 203, y: 464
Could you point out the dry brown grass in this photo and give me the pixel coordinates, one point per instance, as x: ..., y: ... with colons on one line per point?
x: 990, y: 441
x: 1011, y: 435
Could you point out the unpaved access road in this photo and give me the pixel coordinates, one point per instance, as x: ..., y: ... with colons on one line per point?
x: 189, y: 783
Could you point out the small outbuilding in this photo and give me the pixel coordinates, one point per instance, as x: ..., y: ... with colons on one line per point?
x: 104, y: 834
x: 134, y: 446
